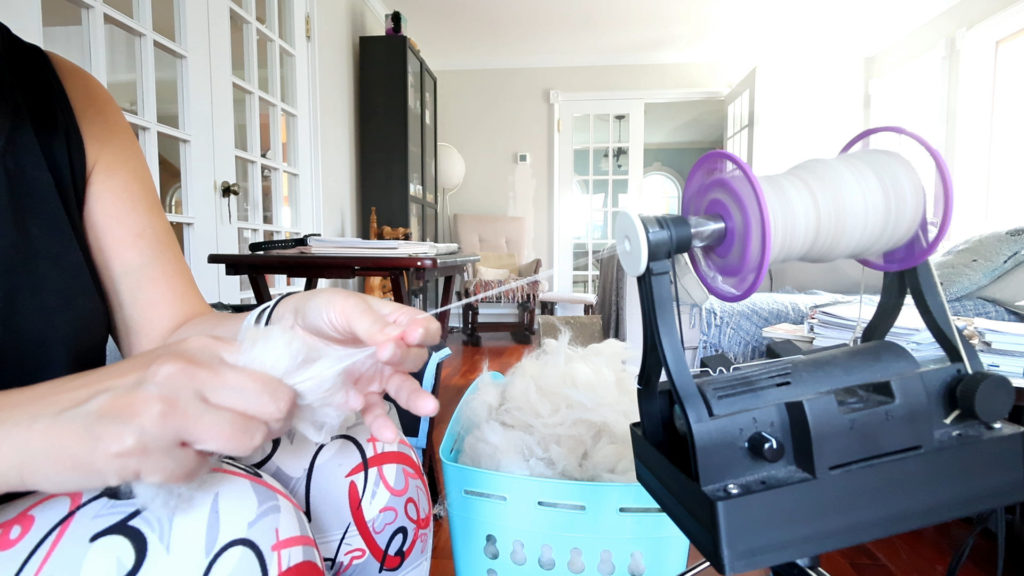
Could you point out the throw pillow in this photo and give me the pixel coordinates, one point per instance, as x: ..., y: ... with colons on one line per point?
x: 485, y: 273
x: 504, y: 260
x: 976, y: 262
x: 1007, y: 290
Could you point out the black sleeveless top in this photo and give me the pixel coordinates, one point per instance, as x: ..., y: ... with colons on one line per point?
x: 53, y: 315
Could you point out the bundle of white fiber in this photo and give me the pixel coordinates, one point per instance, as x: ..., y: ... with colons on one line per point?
x: 563, y: 412
x: 317, y: 371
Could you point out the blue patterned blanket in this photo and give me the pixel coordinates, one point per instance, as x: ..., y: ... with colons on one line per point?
x: 735, y: 328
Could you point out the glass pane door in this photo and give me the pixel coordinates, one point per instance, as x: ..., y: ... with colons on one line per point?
x: 600, y: 164
x: 262, y: 145
x: 137, y: 49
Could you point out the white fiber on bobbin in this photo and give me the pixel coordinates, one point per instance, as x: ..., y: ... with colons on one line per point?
x: 857, y: 205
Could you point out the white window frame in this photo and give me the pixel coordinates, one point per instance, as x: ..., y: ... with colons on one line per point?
x: 975, y: 82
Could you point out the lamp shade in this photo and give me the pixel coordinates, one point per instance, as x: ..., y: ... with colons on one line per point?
x: 451, y: 168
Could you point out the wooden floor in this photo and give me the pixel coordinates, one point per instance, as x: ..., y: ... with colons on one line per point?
x: 924, y: 552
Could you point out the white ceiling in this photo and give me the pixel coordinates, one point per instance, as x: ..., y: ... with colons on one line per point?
x: 472, y: 34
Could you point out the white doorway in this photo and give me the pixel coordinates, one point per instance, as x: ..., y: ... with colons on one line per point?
x: 599, y: 170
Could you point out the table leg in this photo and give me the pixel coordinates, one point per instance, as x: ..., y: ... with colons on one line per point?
x: 260, y: 290
x: 447, y: 291
x: 399, y: 290
x: 311, y: 283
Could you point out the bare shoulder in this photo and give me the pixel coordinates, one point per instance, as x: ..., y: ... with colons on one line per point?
x: 99, y: 118
x: 136, y: 253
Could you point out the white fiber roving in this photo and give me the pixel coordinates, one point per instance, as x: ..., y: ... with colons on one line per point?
x: 563, y: 412
x: 315, y: 369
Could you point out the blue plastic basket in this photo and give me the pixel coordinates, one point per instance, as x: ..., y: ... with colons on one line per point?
x: 505, y: 524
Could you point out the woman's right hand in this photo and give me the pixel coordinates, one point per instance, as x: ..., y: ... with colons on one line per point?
x: 155, y: 417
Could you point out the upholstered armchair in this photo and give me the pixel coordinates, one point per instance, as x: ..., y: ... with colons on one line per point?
x: 501, y: 242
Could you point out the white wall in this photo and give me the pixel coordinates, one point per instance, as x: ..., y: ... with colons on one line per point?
x: 961, y: 16
x: 23, y: 19
x: 489, y: 115
x: 805, y: 108
x: 338, y: 24
x: 955, y: 43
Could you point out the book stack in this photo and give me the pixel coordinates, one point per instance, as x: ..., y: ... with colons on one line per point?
x: 1001, y: 346
x: 844, y: 322
x: 360, y: 247
x: 788, y: 331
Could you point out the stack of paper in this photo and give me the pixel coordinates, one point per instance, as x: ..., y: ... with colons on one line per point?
x: 787, y: 331
x: 843, y: 323
x: 1002, y: 346
x: 360, y: 247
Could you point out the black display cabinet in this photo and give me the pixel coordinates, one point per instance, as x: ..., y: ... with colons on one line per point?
x: 397, y: 137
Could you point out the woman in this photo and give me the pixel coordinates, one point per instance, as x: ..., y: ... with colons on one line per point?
x: 86, y: 251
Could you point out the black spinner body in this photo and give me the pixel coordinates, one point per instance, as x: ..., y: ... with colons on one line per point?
x: 790, y: 458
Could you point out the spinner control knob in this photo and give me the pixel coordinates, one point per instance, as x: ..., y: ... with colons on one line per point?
x: 985, y: 396
x: 765, y: 446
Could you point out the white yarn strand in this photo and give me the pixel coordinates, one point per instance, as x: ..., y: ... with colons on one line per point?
x: 858, y: 205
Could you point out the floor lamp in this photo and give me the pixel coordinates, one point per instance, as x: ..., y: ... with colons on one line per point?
x: 451, y: 169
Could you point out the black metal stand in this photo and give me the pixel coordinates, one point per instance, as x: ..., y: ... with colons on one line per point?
x: 866, y: 432
x: 788, y: 569
x: 805, y: 567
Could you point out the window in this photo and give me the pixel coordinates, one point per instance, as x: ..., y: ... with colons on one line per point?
x: 986, y: 124
x: 662, y: 191
x: 1005, y: 202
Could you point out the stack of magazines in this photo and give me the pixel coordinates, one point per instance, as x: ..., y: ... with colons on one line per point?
x: 844, y: 322
x: 359, y: 247
x: 1001, y: 346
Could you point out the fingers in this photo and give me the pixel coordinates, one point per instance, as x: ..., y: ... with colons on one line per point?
x: 351, y: 318
x: 375, y: 415
x: 256, y: 394
x: 219, y: 431
x: 405, y: 390
x: 201, y: 366
x: 398, y: 355
x: 383, y: 320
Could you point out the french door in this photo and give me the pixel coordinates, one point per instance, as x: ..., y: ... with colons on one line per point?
x: 600, y: 170
x: 170, y: 65
x: 262, y: 152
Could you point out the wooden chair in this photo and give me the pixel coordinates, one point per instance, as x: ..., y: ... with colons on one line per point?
x: 501, y: 242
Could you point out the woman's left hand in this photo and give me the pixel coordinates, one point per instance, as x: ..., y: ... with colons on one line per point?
x: 400, y: 335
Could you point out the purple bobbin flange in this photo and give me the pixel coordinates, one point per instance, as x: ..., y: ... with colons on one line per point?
x: 919, y: 247
x: 722, y: 185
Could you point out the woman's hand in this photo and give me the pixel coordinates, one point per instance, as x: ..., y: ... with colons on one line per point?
x: 156, y: 417
x: 400, y: 334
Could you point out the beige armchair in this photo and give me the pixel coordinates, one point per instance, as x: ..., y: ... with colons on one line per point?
x: 501, y: 242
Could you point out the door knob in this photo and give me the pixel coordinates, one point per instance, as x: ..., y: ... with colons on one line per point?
x: 228, y: 188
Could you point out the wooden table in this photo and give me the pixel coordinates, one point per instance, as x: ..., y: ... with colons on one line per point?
x: 418, y: 269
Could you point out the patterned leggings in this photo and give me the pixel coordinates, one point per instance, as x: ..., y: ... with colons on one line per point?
x: 353, y: 505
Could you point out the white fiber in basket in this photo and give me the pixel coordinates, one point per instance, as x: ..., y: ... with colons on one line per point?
x: 563, y: 412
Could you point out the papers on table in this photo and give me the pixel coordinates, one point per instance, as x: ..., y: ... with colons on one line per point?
x: 837, y: 323
x: 360, y: 247
x: 787, y: 331
x: 1001, y: 346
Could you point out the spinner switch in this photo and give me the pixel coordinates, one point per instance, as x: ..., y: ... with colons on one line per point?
x: 765, y: 446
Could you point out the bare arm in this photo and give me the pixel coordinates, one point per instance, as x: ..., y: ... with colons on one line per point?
x: 150, y: 417
x: 178, y: 396
x: 150, y: 290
